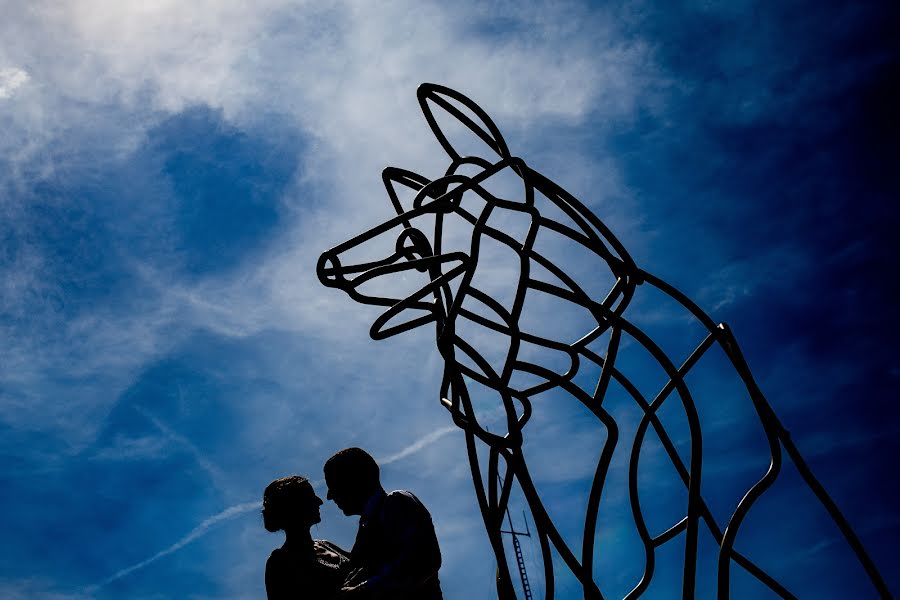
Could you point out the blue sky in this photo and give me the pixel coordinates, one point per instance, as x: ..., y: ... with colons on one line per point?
x: 170, y: 172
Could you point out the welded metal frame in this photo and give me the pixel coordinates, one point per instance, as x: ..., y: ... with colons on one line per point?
x: 440, y: 304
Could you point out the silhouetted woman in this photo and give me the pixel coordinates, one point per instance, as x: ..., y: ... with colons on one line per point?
x: 302, y: 567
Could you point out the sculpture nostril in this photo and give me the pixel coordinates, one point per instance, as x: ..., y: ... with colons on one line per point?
x: 329, y: 270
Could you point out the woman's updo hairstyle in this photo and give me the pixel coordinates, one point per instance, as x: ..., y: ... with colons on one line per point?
x: 280, y: 498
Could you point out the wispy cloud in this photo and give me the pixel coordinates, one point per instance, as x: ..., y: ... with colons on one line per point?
x: 216, y: 475
x: 141, y: 77
x: 10, y: 79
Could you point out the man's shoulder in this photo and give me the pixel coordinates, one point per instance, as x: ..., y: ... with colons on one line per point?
x: 402, y: 498
x: 402, y: 504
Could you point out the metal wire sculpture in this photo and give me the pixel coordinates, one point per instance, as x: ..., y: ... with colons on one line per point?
x: 457, y: 296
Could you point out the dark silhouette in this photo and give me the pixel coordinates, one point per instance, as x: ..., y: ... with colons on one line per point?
x: 302, y: 567
x: 396, y: 554
x: 491, y: 203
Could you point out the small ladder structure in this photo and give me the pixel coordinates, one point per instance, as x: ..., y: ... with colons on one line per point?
x: 517, y: 547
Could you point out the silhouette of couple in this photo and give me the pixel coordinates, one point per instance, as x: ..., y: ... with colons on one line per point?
x: 395, y: 555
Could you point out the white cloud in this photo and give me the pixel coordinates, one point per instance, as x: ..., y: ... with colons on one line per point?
x: 11, y: 78
x: 346, y: 75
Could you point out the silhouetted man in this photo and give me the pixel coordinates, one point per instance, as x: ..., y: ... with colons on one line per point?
x: 396, y: 554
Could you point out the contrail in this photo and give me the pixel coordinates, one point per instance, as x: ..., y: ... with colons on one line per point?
x: 196, y: 532
x: 418, y: 445
x: 216, y: 474
x: 245, y: 507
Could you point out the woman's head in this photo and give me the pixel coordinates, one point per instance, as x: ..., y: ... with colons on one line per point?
x: 290, y: 502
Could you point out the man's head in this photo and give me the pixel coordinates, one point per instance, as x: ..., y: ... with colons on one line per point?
x: 352, y: 477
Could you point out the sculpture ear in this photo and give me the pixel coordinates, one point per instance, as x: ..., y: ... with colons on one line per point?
x: 467, y: 117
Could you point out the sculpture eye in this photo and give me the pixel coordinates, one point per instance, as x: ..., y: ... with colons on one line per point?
x: 412, y: 245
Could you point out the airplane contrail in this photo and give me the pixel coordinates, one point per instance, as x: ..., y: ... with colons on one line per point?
x: 417, y: 445
x: 196, y: 532
x: 245, y: 507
